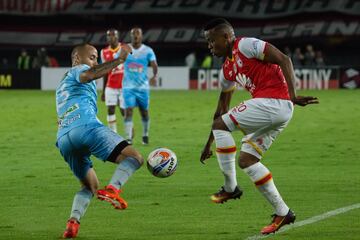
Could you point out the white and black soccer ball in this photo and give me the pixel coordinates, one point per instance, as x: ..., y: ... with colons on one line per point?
x: 162, y: 162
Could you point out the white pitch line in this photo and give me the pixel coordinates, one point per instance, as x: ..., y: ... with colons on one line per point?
x: 309, y: 220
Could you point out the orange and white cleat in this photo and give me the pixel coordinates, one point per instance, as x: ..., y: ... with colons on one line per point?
x: 278, y: 222
x: 222, y: 196
x: 72, y: 228
x: 111, y: 195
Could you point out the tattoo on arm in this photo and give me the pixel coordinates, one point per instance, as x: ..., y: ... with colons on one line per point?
x: 102, y: 69
x: 99, y: 71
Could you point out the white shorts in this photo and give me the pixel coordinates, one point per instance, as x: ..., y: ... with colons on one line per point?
x: 114, y: 97
x: 261, y: 120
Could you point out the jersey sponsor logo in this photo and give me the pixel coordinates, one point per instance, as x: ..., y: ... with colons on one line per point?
x: 245, y: 82
x: 67, y: 122
x: 135, y: 67
x: 71, y: 109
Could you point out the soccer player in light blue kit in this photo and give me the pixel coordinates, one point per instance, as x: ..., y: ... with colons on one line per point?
x: 81, y: 134
x: 136, y: 89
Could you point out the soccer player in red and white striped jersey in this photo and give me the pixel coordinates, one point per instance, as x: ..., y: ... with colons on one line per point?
x: 112, y: 91
x: 268, y: 75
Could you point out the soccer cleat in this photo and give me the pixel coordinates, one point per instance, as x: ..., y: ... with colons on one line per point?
x: 278, y: 222
x: 222, y: 196
x: 145, y: 140
x: 72, y: 228
x: 129, y: 141
x: 111, y: 195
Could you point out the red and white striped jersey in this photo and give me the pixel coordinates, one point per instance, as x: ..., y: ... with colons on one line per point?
x: 261, y: 79
x: 115, y: 76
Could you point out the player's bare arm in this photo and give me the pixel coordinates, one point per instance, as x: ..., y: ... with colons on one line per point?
x: 222, y: 108
x: 275, y: 56
x: 99, y: 70
x: 105, y: 78
x: 102, y: 69
x: 154, y: 66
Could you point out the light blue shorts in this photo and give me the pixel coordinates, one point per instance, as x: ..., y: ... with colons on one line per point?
x: 136, y: 98
x: 81, y: 142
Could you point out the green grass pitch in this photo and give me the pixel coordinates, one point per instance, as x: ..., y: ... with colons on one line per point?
x: 315, y: 163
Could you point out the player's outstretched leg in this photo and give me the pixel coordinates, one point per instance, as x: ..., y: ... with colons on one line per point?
x: 262, y: 178
x: 129, y: 161
x: 225, y: 152
x: 80, y: 203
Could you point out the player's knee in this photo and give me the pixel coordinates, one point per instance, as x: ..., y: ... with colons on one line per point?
x: 246, y: 160
x: 128, y: 114
x: 131, y: 152
x: 111, y: 110
x: 219, y: 124
x: 129, y: 111
x: 139, y: 158
x: 242, y: 163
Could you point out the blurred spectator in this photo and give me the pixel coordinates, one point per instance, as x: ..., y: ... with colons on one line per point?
x: 217, y: 62
x: 41, y: 59
x: 207, y: 62
x: 4, y: 63
x: 23, y: 61
x: 190, y: 60
x: 319, y: 59
x: 53, y: 62
x: 309, y: 58
x: 287, y: 51
x: 297, y: 57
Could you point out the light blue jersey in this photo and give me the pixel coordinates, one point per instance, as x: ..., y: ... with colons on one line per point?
x: 75, y: 101
x: 135, y: 68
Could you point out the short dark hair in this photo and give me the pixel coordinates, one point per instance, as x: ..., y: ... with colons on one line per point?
x: 115, y: 31
x: 216, y: 22
x: 78, y: 48
x: 136, y: 27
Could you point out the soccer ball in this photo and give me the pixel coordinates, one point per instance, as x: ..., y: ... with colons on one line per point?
x: 162, y: 162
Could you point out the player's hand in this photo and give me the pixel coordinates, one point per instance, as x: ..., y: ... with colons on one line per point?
x: 103, y: 97
x: 126, y: 48
x: 124, y: 51
x: 205, y: 154
x: 153, y: 81
x: 305, y: 100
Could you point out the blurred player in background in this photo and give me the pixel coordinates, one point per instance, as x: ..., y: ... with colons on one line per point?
x: 80, y: 134
x: 136, y: 89
x: 268, y: 75
x: 112, y: 94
